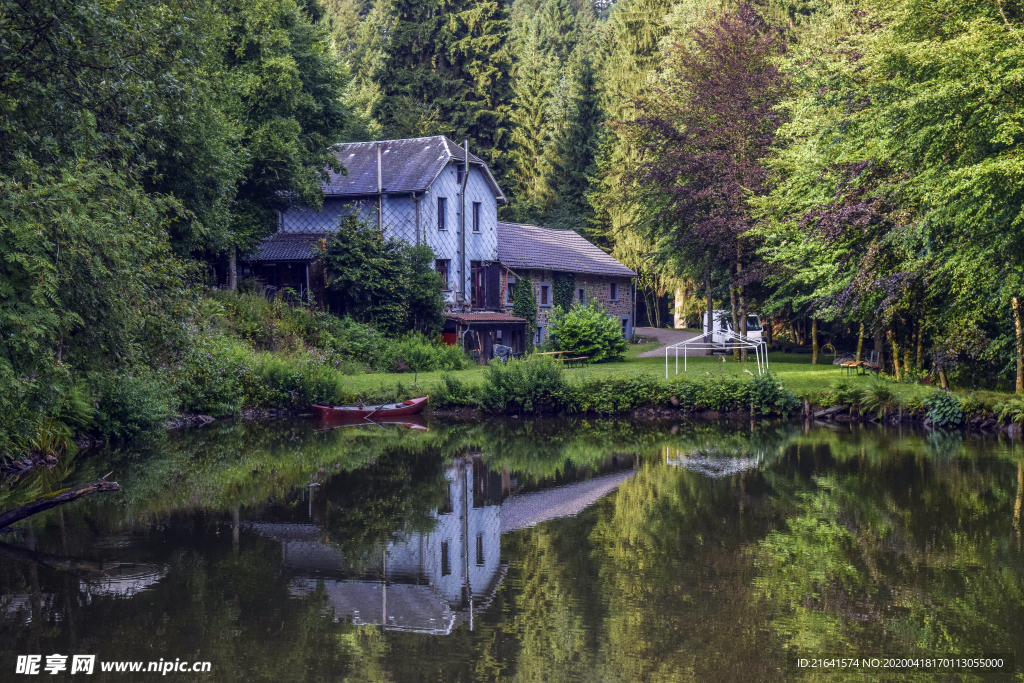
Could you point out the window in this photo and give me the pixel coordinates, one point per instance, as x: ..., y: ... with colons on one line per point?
x: 442, y: 265
x: 539, y: 339
x: 613, y: 291
x: 479, y: 550
x: 442, y: 206
x: 625, y: 327
x: 545, y: 294
x: 581, y: 295
x: 446, y: 565
x: 509, y: 286
x: 476, y: 216
x: 458, y: 174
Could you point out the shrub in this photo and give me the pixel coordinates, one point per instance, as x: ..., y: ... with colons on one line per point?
x: 880, y: 399
x: 767, y: 396
x: 944, y: 410
x: 452, y: 392
x: 208, y: 377
x: 1012, y: 409
x: 534, y: 386
x: 845, y: 394
x: 128, y: 405
x: 417, y: 353
x: 588, y: 331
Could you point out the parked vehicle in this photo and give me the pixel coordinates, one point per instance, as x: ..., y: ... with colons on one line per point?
x: 723, y: 326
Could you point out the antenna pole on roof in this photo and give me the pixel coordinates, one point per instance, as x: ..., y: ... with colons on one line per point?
x: 462, y: 222
x: 380, y: 196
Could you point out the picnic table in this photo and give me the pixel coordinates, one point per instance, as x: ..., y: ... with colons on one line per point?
x: 566, y: 357
x: 859, y: 367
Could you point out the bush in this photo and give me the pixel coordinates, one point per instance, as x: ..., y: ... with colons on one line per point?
x: 128, y: 405
x: 1012, y: 409
x: 452, y: 392
x: 535, y: 386
x: 943, y: 410
x: 416, y: 353
x: 588, y: 331
x: 208, y: 376
x: 880, y: 399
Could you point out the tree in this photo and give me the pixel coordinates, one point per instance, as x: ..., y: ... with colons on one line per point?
x: 704, y: 135
x: 446, y: 71
x: 383, y: 280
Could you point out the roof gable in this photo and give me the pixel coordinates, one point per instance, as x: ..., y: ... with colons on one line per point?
x: 534, y: 247
x: 407, y: 166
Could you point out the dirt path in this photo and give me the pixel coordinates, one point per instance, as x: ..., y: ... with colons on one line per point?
x: 665, y: 338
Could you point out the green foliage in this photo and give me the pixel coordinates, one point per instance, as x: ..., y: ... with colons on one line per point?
x: 880, y: 398
x: 944, y: 410
x: 524, y: 305
x: 563, y: 289
x: 536, y: 386
x: 384, y: 281
x: 453, y: 392
x: 417, y: 353
x: 128, y: 405
x: 208, y: 377
x: 1012, y: 410
x: 588, y: 331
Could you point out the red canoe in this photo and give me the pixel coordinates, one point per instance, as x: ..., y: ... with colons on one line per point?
x: 384, y: 411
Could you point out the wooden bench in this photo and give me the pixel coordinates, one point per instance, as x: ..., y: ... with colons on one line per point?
x: 576, y: 361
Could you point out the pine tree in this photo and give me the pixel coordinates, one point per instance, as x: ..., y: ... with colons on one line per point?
x: 446, y: 71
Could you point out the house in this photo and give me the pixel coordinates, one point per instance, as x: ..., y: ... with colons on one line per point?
x: 421, y: 190
x: 545, y: 256
x: 432, y: 191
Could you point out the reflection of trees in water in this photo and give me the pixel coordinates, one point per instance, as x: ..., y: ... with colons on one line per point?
x: 891, y: 551
x: 842, y: 540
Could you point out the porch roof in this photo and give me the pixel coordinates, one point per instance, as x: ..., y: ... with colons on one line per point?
x: 468, y: 318
x: 286, y: 246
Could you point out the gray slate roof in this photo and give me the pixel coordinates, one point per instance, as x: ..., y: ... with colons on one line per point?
x: 286, y: 246
x: 407, y: 166
x: 531, y: 246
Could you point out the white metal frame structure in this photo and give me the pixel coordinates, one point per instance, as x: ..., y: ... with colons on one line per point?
x: 736, y: 341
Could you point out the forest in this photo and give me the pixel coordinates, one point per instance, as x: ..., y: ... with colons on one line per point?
x: 847, y: 170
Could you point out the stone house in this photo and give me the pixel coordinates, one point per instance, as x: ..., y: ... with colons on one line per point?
x: 432, y: 191
x: 556, y: 258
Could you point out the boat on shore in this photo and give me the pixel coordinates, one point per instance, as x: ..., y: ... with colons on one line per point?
x: 379, y: 412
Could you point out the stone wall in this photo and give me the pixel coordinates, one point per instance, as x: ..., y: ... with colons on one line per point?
x: 596, y: 288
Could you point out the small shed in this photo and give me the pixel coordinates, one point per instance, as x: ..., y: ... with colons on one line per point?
x: 478, y: 333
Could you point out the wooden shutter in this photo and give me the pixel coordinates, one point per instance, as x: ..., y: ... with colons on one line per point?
x: 492, y: 286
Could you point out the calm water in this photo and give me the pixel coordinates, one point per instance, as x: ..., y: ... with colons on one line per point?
x: 523, y: 551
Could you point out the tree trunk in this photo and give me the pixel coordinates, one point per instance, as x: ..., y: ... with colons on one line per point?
x: 814, y: 341
x: 54, y: 499
x: 232, y: 269
x: 895, y: 356
x: 920, y: 346
x: 879, y: 345
x: 907, y: 367
x: 1019, y: 386
x: 735, y: 321
x: 742, y: 329
x: 943, y: 382
x: 710, y: 330
x: 767, y: 326
x: 793, y: 332
x: 860, y: 342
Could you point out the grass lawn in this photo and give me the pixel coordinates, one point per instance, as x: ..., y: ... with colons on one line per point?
x: 795, y: 370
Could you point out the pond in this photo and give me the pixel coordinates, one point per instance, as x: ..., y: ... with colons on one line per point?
x: 520, y: 550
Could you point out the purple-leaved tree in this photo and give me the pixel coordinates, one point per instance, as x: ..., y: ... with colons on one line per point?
x: 702, y: 134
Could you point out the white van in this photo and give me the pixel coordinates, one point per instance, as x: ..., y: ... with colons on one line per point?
x: 723, y: 324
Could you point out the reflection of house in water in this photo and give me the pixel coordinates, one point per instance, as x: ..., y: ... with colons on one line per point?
x: 429, y: 582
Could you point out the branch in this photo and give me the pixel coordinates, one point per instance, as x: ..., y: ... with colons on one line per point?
x: 54, y: 499
x: 1007, y: 22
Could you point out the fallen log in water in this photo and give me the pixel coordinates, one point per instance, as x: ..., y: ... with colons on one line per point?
x: 54, y: 499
